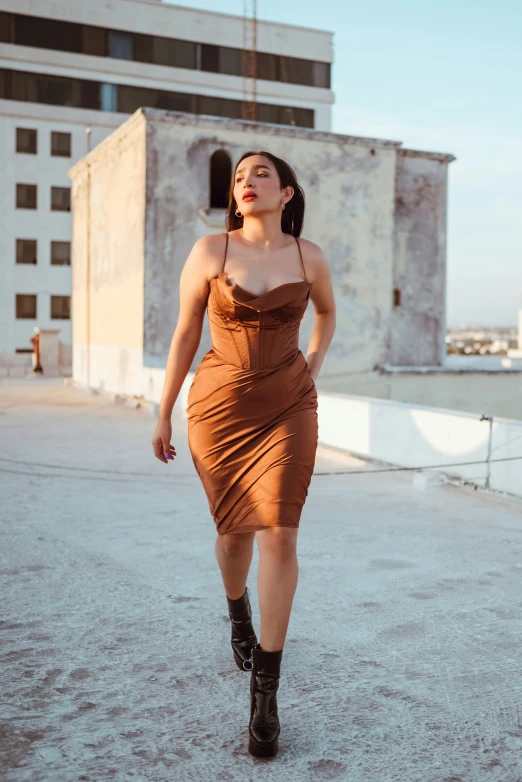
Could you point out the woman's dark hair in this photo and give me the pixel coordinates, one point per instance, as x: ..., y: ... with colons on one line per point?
x: 293, y: 213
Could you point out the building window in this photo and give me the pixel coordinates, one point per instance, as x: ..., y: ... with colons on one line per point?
x: 127, y: 99
x: 60, y: 253
x: 267, y: 66
x: 99, y: 41
x: 47, y: 33
x: 60, y: 144
x: 120, y: 45
x: 26, y: 251
x: 230, y: 61
x: 209, y: 58
x: 322, y: 71
x: 6, y: 27
x: 296, y: 71
x: 26, y: 139
x: 94, y: 40
x: 55, y: 91
x: 174, y: 53
x: 60, y: 307
x: 61, y: 199
x: 26, y: 306
x: 285, y: 115
x: 26, y: 196
x: 109, y: 97
x: 131, y: 98
x: 177, y: 101
x: 211, y: 105
x: 220, y: 176
x: 63, y: 91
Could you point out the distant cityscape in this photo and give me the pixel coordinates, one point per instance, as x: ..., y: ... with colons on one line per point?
x: 480, y: 340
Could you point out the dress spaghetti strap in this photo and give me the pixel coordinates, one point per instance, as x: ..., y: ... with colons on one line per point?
x: 225, y: 255
x: 301, y: 257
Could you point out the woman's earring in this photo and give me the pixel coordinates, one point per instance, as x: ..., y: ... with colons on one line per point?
x: 283, y: 206
x: 238, y: 213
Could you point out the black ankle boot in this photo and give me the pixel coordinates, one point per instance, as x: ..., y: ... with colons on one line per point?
x: 243, y: 636
x: 264, y: 728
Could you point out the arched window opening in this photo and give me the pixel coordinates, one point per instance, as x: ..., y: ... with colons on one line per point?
x: 220, y: 174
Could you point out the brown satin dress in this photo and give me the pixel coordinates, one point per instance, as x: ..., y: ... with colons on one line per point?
x: 252, y: 407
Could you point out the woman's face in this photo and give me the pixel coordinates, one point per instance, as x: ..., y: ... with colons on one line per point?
x: 257, y: 188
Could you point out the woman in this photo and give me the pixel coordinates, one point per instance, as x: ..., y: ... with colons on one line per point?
x: 252, y: 405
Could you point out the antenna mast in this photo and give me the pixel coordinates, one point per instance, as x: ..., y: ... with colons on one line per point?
x: 249, y: 61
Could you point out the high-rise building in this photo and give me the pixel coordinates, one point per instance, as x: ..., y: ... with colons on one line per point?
x: 71, y: 72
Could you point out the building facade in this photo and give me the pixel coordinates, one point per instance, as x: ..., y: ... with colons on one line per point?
x: 145, y: 194
x: 72, y: 72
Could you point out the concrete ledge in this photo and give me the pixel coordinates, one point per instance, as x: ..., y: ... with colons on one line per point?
x: 504, y: 366
x: 16, y: 360
x: 443, y: 157
x: 415, y: 436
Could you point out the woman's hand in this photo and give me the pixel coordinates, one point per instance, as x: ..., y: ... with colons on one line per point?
x: 163, y: 450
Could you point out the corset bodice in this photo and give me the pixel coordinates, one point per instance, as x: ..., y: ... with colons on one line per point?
x: 256, y: 332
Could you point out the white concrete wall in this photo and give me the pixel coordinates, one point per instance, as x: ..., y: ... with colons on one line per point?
x: 108, y: 269
x: 415, y: 436
x: 349, y: 184
x: 418, y: 325
x: 353, y: 196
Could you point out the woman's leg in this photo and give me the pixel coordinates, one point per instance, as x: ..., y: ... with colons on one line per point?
x: 277, y: 581
x: 234, y: 554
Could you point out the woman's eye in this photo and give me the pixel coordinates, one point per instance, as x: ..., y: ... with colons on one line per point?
x: 261, y: 173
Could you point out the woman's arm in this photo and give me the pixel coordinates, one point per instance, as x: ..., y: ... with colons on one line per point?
x: 322, y: 298
x: 193, y: 296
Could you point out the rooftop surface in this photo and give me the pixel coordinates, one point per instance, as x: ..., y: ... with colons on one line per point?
x: 402, y: 659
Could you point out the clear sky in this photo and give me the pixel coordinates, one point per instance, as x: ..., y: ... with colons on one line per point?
x: 443, y: 76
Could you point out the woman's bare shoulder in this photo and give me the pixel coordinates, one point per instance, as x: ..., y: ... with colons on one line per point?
x: 313, y: 257
x: 212, y: 244
x: 206, y: 256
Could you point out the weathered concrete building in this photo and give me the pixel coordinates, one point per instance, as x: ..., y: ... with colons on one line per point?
x: 145, y: 195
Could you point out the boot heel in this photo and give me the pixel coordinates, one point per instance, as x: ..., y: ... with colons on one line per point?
x: 263, y: 750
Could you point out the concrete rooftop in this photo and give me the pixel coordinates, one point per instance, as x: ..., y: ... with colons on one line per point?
x: 402, y: 660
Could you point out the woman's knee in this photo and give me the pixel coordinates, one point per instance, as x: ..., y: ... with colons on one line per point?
x: 280, y: 542
x: 235, y: 545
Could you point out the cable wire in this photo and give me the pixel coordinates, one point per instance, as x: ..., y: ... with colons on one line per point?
x: 150, y: 475
x: 421, y: 467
